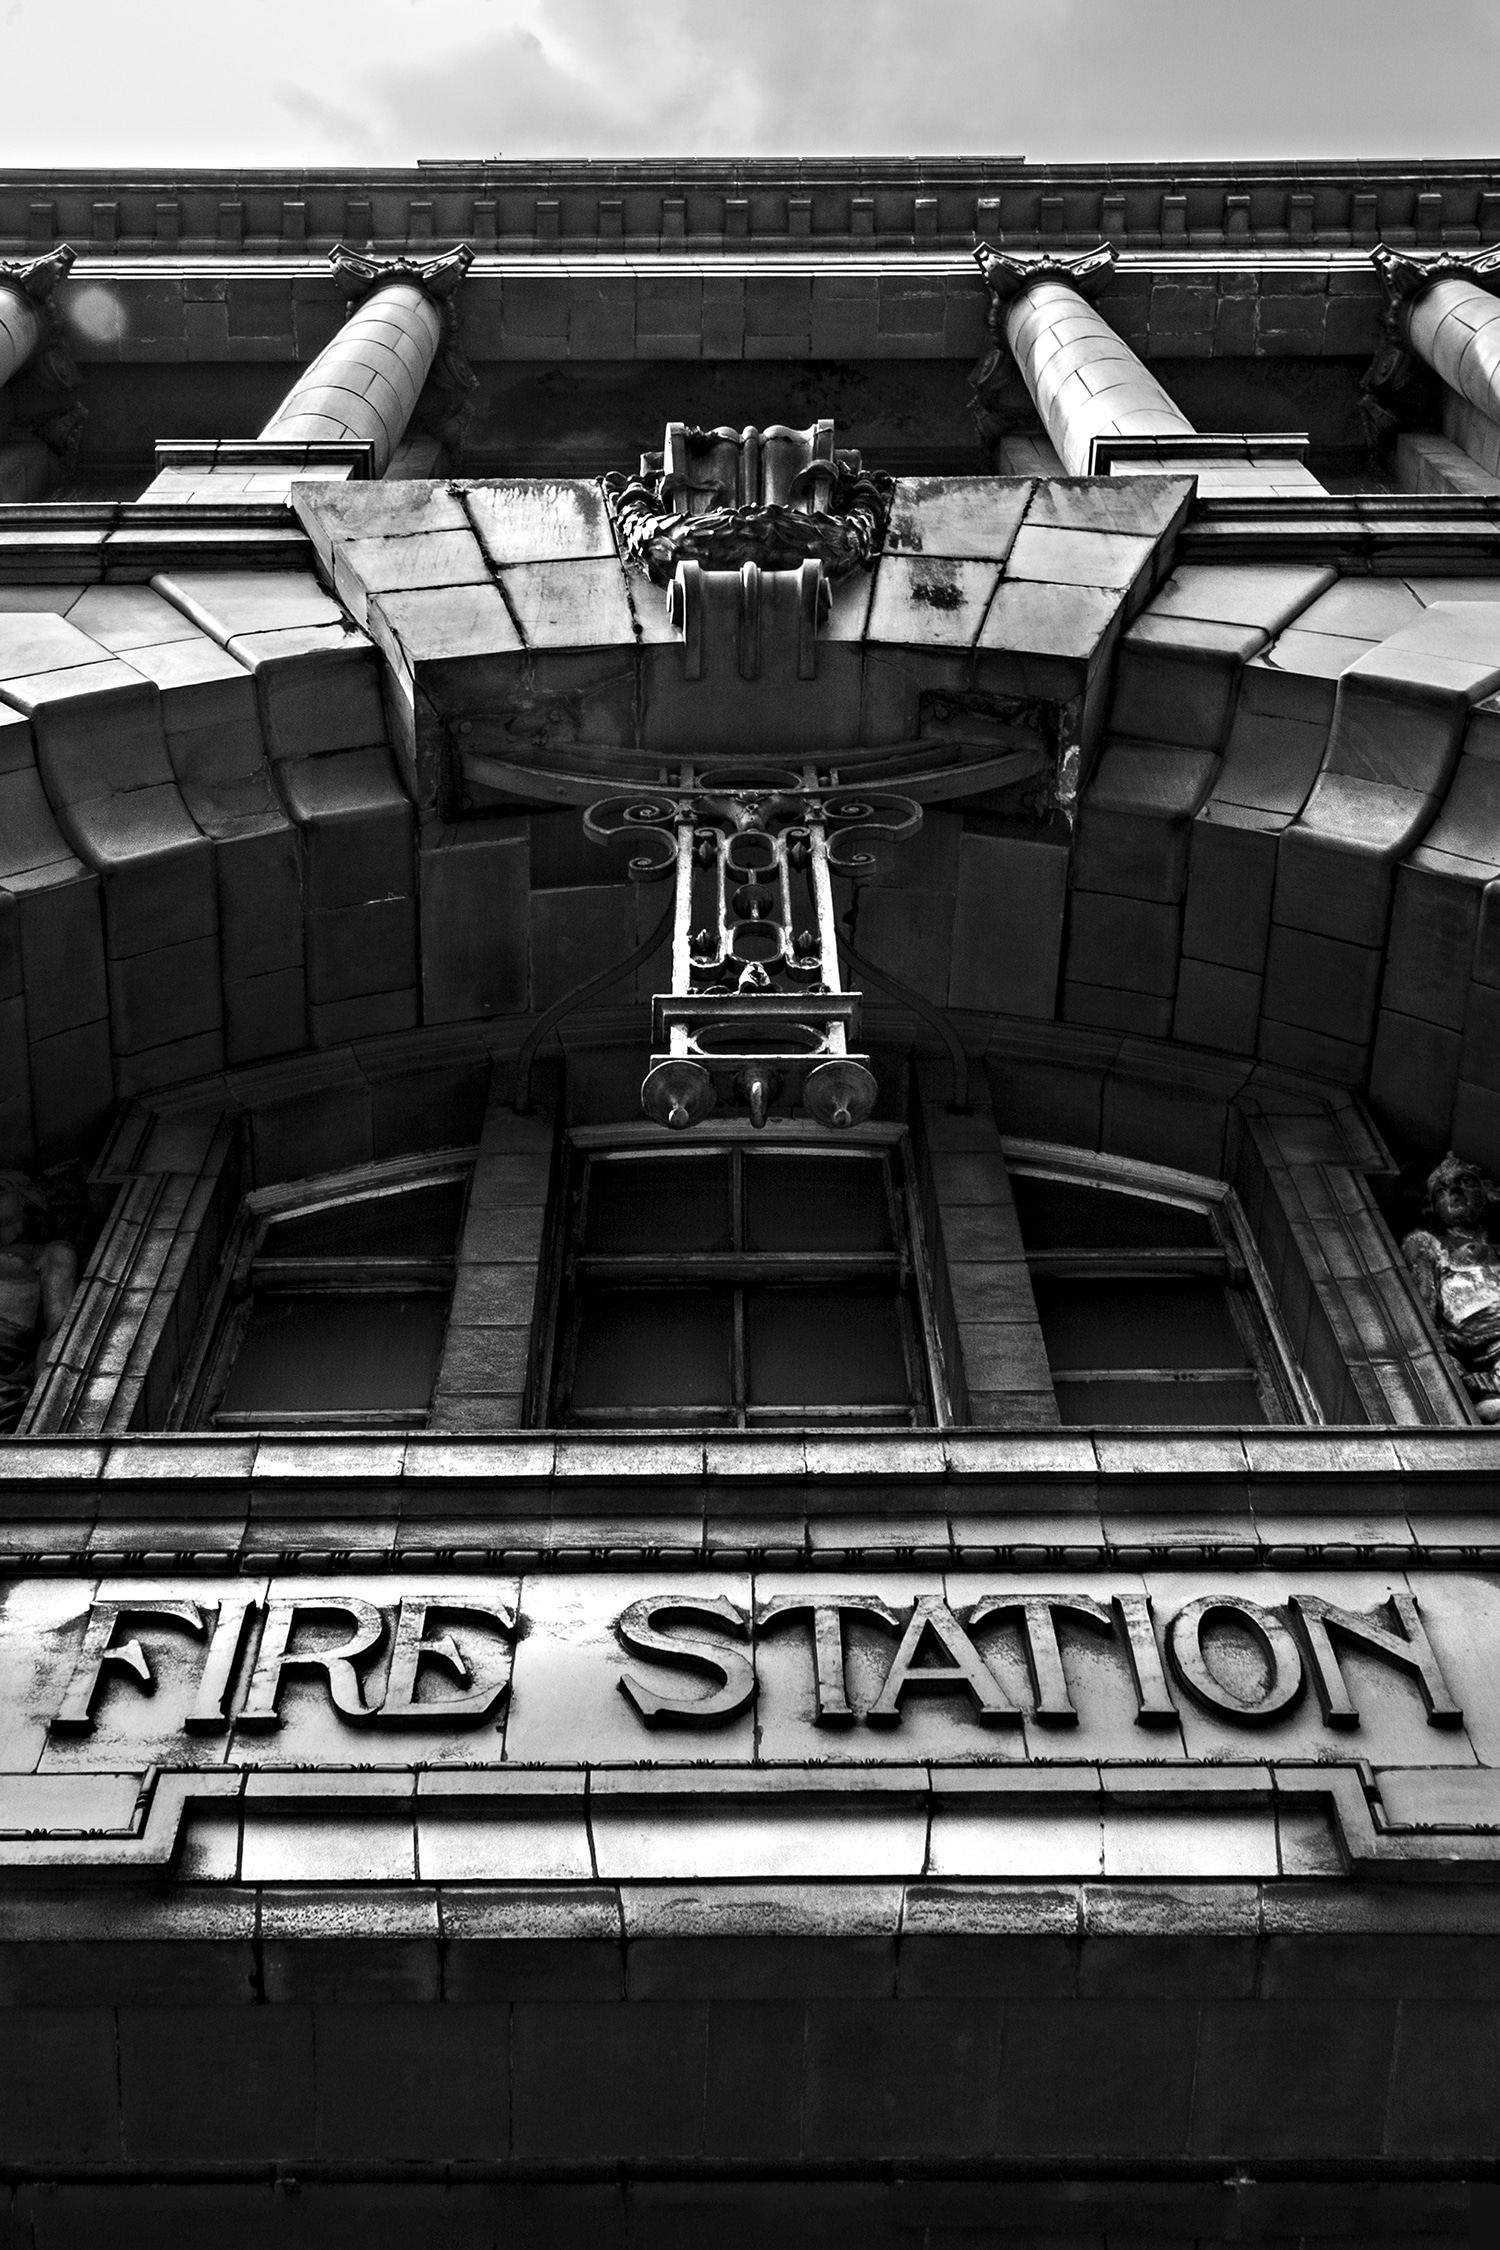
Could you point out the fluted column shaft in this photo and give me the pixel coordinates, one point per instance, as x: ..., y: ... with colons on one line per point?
x: 1454, y: 325
x: 363, y: 387
x: 1085, y: 380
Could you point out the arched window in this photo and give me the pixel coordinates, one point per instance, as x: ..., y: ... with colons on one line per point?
x: 332, y: 1305
x: 1153, y: 1303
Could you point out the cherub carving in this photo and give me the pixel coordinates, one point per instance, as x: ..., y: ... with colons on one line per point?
x: 1456, y: 1266
x: 38, y: 1274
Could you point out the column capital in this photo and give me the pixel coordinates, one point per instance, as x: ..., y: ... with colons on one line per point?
x: 1008, y: 272
x: 1404, y: 274
x: 437, y: 278
x: 36, y: 278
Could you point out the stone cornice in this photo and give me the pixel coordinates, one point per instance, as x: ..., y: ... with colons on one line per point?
x: 79, y: 542
x: 869, y: 204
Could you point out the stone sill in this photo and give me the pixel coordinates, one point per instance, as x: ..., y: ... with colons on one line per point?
x: 921, y: 1499
x: 786, y: 1456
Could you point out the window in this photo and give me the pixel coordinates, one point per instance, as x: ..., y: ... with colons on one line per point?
x: 746, y: 1281
x: 1153, y: 1304
x: 332, y: 1306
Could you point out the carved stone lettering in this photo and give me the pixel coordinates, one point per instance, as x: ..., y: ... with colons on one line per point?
x: 413, y: 1647
x: 1039, y: 1614
x: 1409, y: 1650
x: 1283, y: 1659
x: 965, y: 1669
x: 210, y: 1712
x: 101, y: 1654
x: 1243, y: 1661
x: 834, y: 1708
x: 1153, y: 1697
x: 276, y: 1657
x: 639, y: 1632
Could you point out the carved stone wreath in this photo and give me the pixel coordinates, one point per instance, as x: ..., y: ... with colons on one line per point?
x: 844, y: 534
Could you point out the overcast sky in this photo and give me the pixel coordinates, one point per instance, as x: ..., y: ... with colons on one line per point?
x: 329, y: 82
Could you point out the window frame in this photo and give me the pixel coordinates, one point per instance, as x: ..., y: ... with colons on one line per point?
x: 210, y: 1361
x: 1287, y: 1397
x: 909, y: 1263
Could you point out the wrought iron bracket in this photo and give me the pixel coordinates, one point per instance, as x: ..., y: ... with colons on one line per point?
x: 757, y: 1013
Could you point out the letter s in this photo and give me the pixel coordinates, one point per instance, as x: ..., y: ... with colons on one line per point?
x: 697, y: 1652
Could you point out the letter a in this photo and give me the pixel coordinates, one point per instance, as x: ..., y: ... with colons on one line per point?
x: 966, y: 1668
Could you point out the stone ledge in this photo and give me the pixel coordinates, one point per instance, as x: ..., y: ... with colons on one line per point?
x: 763, y: 1823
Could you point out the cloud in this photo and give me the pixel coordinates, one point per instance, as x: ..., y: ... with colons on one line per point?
x: 1057, y: 80
x: 170, y: 82
x: 327, y: 126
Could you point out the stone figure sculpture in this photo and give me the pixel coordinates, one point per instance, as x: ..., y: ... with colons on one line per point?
x: 38, y: 1274
x: 1456, y: 1265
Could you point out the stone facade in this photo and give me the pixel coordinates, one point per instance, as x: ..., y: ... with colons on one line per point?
x: 1001, y: 1742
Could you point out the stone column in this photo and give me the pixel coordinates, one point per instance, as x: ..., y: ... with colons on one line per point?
x: 362, y: 388
x: 23, y: 324
x: 28, y: 330
x: 1085, y: 380
x: 26, y: 318
x: 1441, y: 307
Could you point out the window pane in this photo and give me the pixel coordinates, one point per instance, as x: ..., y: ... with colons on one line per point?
x: 663, y: 1203
x: 654, y: 1347
x: 418, y: 1222
x: 1179, y: 1323
x: 1066, y: 1215
x: 1140, y: 1405
x: 815, y: 1203
x: 315, y: 1351
x: 836, y: 1346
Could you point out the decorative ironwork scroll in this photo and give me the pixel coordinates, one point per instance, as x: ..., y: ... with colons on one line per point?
x: 757, y: 1013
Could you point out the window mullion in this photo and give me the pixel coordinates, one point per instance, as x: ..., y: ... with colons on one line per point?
x: 739, y: 1372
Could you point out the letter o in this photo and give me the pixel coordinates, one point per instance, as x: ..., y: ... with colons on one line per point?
x: 1277, y: 1645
